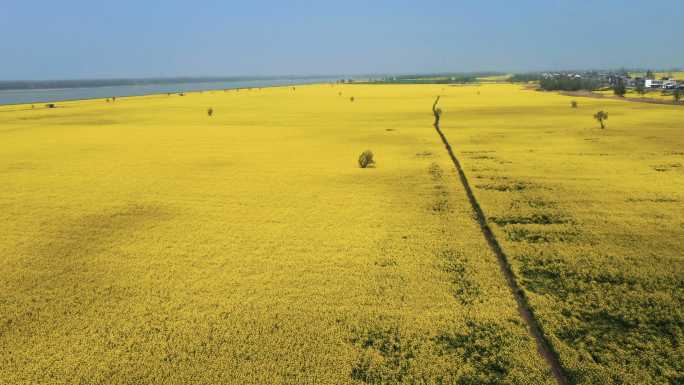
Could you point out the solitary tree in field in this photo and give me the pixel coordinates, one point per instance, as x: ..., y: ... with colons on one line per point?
x: 640, y: 88
x: 677, y: 94
x: 437, y: 112
x: 366, y: 159
x: 601, y: 116
x: 210, y: 111
x: 573, y: 104
x: 351, y: 99
x: 619, y: 88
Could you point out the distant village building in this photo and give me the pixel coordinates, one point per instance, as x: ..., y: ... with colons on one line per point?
x: 653, y: 83
x: 611, y: 79
x: 627, y: 80
x: 669, y: 84
x: 664, y: 83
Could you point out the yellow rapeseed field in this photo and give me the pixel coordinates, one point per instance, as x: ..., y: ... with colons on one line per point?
x: 494, y: 78
x: 143, y: 241
x: 592, y: 221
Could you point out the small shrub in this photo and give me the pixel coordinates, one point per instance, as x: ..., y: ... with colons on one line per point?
x: 351, y: 99
x: 573, y: 104
x: 50, y: 105
x: 366, y: 159
x: 601, y: 116
x: 210, y: 111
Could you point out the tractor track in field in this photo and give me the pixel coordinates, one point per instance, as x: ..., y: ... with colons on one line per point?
x: 543, y: 346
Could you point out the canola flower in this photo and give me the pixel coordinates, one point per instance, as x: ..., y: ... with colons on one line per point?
x: 145, y: 241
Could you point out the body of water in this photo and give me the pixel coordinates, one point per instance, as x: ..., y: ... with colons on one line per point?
x: 27, y: 96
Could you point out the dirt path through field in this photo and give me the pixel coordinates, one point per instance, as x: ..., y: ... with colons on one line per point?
x: 543, y: 346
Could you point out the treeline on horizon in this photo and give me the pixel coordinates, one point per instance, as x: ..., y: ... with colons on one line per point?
x: 568, y: 83
x: 89, y: 83
x: 525, y: 78
x: 417, y: 80
x: 559, y: 83
x: 438, y: 78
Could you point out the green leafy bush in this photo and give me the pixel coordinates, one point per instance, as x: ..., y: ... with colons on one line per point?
x: 366, y: 159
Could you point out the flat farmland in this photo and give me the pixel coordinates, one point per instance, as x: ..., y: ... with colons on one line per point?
x: 592, y: 222
x: 143, y: 241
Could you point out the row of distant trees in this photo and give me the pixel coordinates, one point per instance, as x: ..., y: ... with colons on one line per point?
x: 429, y: 79
x: 525, y: 78
x: 569, y: 83
x: 558, y: 83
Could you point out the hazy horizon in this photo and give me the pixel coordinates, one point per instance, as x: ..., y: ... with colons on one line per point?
x: 126, y: 40
x: 342, y: 75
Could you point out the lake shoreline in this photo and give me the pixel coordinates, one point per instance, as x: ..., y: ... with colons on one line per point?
x: 54, y: 95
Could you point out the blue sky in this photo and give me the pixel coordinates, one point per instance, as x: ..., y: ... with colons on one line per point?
x: 72, y: 39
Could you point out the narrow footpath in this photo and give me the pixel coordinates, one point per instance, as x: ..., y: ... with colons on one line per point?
x: 543, y: 347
